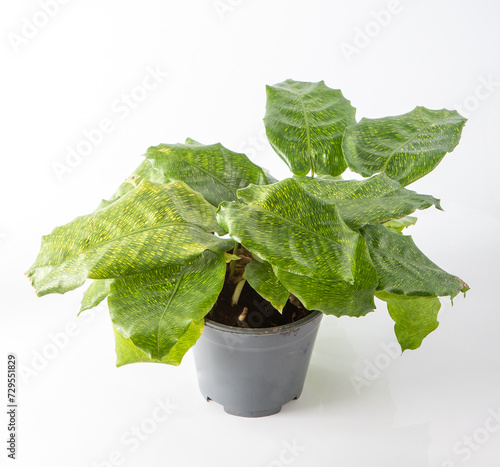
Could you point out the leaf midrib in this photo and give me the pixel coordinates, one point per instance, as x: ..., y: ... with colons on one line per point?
x: 211, y: 175
x: 308, y: 133
x: 177, y: 285
x: 135, y: 232
x: 386, y: 163
x: 222, y: 182
x: 289, y: 221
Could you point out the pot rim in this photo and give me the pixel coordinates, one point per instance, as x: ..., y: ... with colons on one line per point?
x: 262, y: 331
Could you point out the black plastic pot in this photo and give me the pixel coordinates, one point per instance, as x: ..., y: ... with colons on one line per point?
x: 253, y: 372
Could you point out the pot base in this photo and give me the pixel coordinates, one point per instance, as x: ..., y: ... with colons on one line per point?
x: 261, y: 413
x: 246, y: 413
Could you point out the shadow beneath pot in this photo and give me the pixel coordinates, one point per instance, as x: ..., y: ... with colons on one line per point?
x: 334, y: 381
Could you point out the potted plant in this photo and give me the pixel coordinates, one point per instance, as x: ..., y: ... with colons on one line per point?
x: 200, y: 237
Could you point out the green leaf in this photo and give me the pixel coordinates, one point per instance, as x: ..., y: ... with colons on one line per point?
x: 305, y: 123
x: 415, y: 318
x: 398, y: 225
x: 405, y: 147
x: 145, y: 171
x: 294, y: 230
x: 403, y: 269
x: 261, y: 277
x: 155, y: 310
x: 377, y: 199
x: 212, y: 170
x: 334, y: 178
x: 148, y: 228
x: 127, y: 352
x: 314, y: 254
x: 95, y: 294
x: 333, y: 297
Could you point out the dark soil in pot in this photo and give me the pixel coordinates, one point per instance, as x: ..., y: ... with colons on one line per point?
x: 252, y: 311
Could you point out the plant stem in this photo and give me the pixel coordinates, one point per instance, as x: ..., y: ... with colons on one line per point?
x: 233, y: 262
x: 237, y: 292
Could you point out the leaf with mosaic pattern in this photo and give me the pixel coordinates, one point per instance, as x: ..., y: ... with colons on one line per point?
x: 148, y: 228
x: 95, y: 294
x: 294, y: 230
x: 313, y: 253
x: 127, y: 352
x: 305, y: 123
x: 405, y: 147
x: 156, y: 310
x: 145, y: 171
x: 376, y: 199
x: 414, y: 317
x: 261, y: 277
x: 212, y: 170
x: 403, y: 269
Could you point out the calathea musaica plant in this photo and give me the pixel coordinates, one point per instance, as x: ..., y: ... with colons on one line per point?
x: 158, y: 249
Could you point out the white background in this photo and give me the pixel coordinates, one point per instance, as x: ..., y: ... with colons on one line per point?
x: 71, y: 71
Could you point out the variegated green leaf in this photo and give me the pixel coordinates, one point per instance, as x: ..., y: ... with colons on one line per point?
x: 155, y: 310
x: 148, y: 228
x: 405, y: 147
x: 403, y: 269
x: 305, y: 123
x: 374, y: 200
x: 294, y: 231
x: 261, y: 277
x: 334, y: 297
x: 95, y: 294
x: 415, y: 318
x: 145, y: 171
x: 127, y: 352
x: 212, y: 170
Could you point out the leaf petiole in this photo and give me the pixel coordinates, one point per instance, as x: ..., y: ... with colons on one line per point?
x: 238, y: 290
x: 233, y: 262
